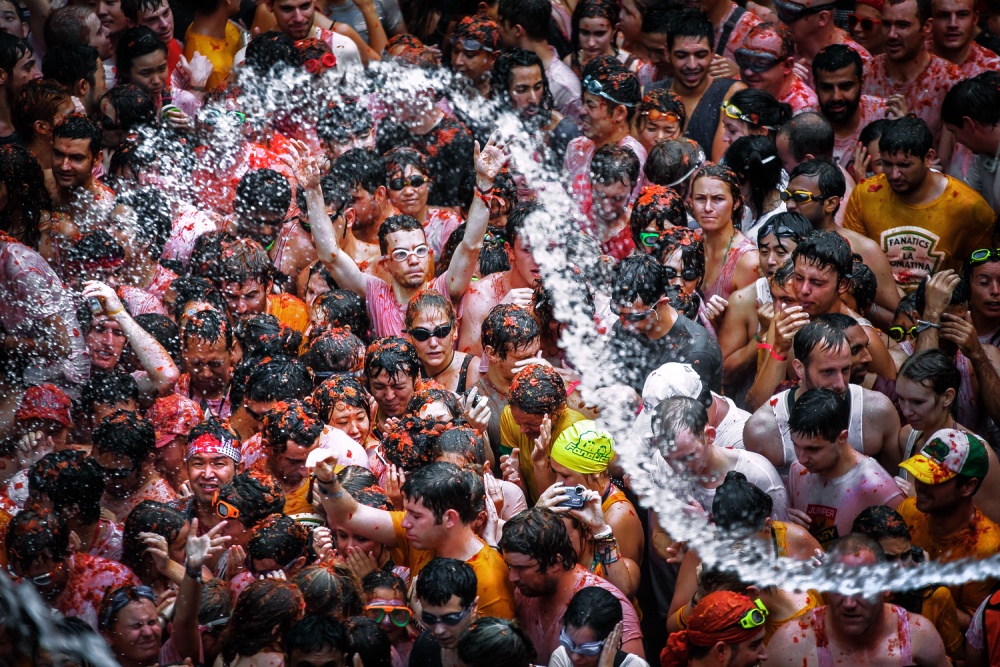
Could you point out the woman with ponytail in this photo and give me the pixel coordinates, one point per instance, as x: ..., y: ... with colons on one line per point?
x: 755, y: 160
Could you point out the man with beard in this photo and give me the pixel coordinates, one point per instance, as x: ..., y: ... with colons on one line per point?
x: 953, y: 27
x: 291, y: 431
x: 207, y: 355
x: 822, y: 361
x: 76, y: 149
x: 297, y: 19
x: 971, y: 111
x: 766, y: 61
x: 362, y: 173
x: 908, y: 68
x: 545, y: 574
x: 726, y: 628
x: 518, y: 80
x: 854, y: 629
x: 614, y: 172
x: 913, y: 218
x: 838, y: 73
x: 687, y: 44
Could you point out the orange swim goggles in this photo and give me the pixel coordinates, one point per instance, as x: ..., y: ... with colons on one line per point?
x: 656, y: 114
x: 224, y: 509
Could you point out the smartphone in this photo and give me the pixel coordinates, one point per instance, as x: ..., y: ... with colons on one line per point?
x: 575, y: 499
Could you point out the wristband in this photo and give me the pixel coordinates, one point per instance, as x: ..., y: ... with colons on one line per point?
x: 604, y: 534
x: 111, y: 313
x: 325, y: 491
x: 196, y: 574
x: 486, y: 198
x: 770, y: 350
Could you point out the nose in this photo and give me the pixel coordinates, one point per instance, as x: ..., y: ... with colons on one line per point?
x: 242, y: 306
x: 534, y: 97
x: 953, y: 21
x: 839, y: 384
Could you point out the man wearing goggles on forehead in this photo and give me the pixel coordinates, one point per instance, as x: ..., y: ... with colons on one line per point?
x: 766, y: 62
x: 725, y: 628
x: 475, y: 45
x: 854, y: 629
x: 812, y: 27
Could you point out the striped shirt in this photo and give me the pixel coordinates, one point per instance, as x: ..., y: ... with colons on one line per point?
x: 386, y: 314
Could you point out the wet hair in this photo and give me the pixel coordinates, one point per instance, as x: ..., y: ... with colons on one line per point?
x: 677, y: 414
x: 495, y: 642
x: 126, y: 434
x: 132, y: 8
x: 826, y: 250
x: 243, y: 260
x: 13, y: 48
x: 518, y: 218
x: 932, y: 369
x: 65, y: 25
x: 344, y: 308
x: 398, y: 159
x: 264, y: 612
x: 538, y: 390
x: 444, y: 486
x: 852, y: 544
x: 961, y: 294
x: 279, y: 538
x: 370, y: 642
x: 671, y: 163
x: 362, y: 169
x: 621, y: 87
x: 263, y: 335
x: 342, y: 120
x: 26, y: 191
x: 428, y: 299
x: 195, y: 288
x: 879, y: 522
x: 333, y: 352
x: 978, y: 98
x: 493, y: 257
x: 69, y: 62
x: 321, y: 589
x: 78, y: 126
x: 595, y: 608
x: 135, y: 42
x: 540, y: 534
x: 463, y: 440
x: 663, y: 17
x: 740, y: 506
x: 532, y: 15
x: 829, y: 178
x: 269, y: 53
x: 691, y: 246
x: 393, y: 224
x: 835, y: 57
x: 148, y: 516
x: 727, y: 176
x: 593, y: 9
x: 34, y: 533
x: 382, y: 579
x: 755, y: 160
x: 207, y: 326
x: 873, y: 131
x: 411, y: 442
x: 262, y: 191
x: 278, y: 380
x: 906, y: 135
x: 256, y: 495
x: 792, y: 225
x: 907, y: 305
x: 817, y: 334
x: 783, y: 274
x: 507, y: 328
x: 443, y: 578
x: 339, y: 389
x: 659, y: 206
x: 638, y: 277
x: 820, y: 413
x: 394, y: 356
x: 356, y: 478
x: 70, y: 480
x: 134, y: 108
x: 293, y: 420
x: 769, y: 112
x: 105, y: 388
x: 502, y: 75
x: 315, y: 633
x: 809, y: 133
x: 432, y: 394
x: 37, y: 100
x: 613, y: 163
x: 663, y: 100
x: 154, y: 221
x: 863, y: 286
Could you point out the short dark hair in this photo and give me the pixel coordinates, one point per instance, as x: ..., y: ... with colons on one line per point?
x: 638, y: 277
x: 135, y: 42
x: 879, y: 522
x: 906, y: 135
x: 978, y: 98
x: 961, y: 294
x: 863, y: 286
x: 256, y: 495
x: 12, y: 49
x: 672, y: 162
x: 809, y: 133
x: 595, y: 608
x: 69, y: 479
x: 395, y: 355
x: 132, y: 8
x: 835, y: 57
x: 342, y: 120
x: 70, y: 62
x: 613, y: 163
x: 39, y: 99
x: 370, y: 642
x: 242, y: 260
x: 270, y: 51
x: 852, y: 544
x: 134, y: 107
x: 262, y: 191
x: 826, y: 249
x: 444, y: 486
x: 740, y: 506
x: 656, y: 205
x: 34, y: 533
x: 149, y: 516
x: 315, y: 632
x: 334, y: 351
x: 873, y: 131
x: 532, y: 15
x: 518, y: 218
x: 539, y: 533
x: 508, y: 327
x: 442, y: 578
x: 770, y: 113
x: 126, y: 434
x: 65, y: 25
x: 278, y: 537
x: 829, y: 178
x: 933, y: 369
x: 924, y: 8
x: 691, y: 23
x: 538, y: 390
x: 820, y: 413
x: 360, y: 168
x: 104, y: 388
x: 278, y: 380
x: 817, y: 334
x: 207, y: 326
x: 393, y: 224
x: 294, y: 420
x: 78, y: 126
x: 503, y: 72
x: 755, y: 160
x: 153, y: 212
x: 495, y: 642
x: 339, y: 389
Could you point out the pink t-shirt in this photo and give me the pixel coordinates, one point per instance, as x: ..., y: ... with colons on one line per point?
x: 140, y: 302
x: 546, y: 639
x: 979, y: 60
x: 800, y: 96
x: 387, y: 315
x: 189, y: 223
x: 441, y: 222
x: 923, y: 96
x: 834, y: 504
x: 89, y: 578
x: 579, y: 154
x: 872, y: 108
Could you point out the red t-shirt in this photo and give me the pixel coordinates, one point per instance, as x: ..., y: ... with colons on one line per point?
x: 89, y: 578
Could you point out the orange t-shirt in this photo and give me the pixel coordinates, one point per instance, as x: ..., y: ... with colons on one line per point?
x: 496, y: 595
x: 290, y: 311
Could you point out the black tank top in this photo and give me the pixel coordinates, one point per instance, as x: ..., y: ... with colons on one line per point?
x: 704, y: 121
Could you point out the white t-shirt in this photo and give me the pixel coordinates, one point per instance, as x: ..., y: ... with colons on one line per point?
x: 560, y: 658
x: 729, y: 432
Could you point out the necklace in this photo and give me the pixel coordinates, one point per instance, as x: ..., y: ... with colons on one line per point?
x: 450, y: 362
x: 729, y: 247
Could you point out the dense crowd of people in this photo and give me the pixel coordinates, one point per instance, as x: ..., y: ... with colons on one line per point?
x: 282, y: 381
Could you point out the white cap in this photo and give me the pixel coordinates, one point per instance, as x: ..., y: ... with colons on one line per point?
x: 670, y: 379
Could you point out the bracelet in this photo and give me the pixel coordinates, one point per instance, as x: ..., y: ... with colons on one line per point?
x: 604, y: 534
x: 113, y: 313
x: 196, y: 575
x: 326, y: 492
x: 924, y: 325
x: 608, y: 551
x: 486, y: 198
x: 770, y: 350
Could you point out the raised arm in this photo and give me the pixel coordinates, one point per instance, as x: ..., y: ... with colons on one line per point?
x: 161, y: 372
x: 187, y: 638
x: 325, y: 233
x: 376, y: 32
x: 343, y: 510
x: 489, y: 161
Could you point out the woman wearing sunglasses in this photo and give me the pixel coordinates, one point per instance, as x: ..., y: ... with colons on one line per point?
x: 592, y: 632
x: 386, y: 604
x: 866, y: 25
x: 595, y: 34
x: 431, y: 327
x: 752, y: 111
x: 660, y: 116
x: 409, y: 187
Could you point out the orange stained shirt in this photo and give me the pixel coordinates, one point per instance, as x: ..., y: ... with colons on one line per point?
x: 496, y: 595
x: 290, y: 311
x: 921, y: 240
x: 220, y: 52
x: 512, y: 438
x: 979, y: 540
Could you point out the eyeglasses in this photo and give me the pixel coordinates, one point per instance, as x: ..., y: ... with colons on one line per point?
x: 899, y: 334
x: 756, y: 61
x: 401, y: 255
x: 398, y: 615
x: 594, y: 87
x: 38, y: 580
x: 453, y: 618
x: 754, y: 618
x: 415, y: 181
x: 421, y: 334
x: 686, y: 274
x: 790, y: 12
x: 584, y: 648
x: 212, y: 116
x: 735, y: 113
x: 223, y: 509
x: 656, y: 114
x: 984, y: 255
x: 120, y: 597
x: 649, y: 239
x: 313, y: 64
x: 800, y: 196
x: 778, y: 231
x: 853, y: 20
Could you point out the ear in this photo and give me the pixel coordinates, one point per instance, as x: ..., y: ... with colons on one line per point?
x: 842, y: 438
x: 710, y: 434
x: 43, y: 128
x: 831, y: 204
x: 350, y: 216
x: 474, y: 608
x: 799, y: 368
x: 381, y: 194
x: 753, y: 592
x: 721, y: 652
x: 930, y: 157
x: 490, y: 352
x: 492, y: 58
x: 3, y: 77
x: 948, y: 397
x: 842, y: 285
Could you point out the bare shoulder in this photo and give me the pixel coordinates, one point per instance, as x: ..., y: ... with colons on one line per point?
x: 794, y: 644
x: 735, y: 88
x: 926, y: 643
x: 761, y: 428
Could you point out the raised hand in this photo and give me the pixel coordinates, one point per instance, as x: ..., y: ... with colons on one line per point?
x: 302, y: 163
x: 510, y: 466
x: 158, y: 549
x: 490, y: 159
x: 322, y: 542
x: 540, y: 453
x: 360, y: 563
x: 201, y: 548
x: 95, y: 289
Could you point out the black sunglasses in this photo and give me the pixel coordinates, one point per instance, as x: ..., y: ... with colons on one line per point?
x: 790, y: 12
x: 453, y: 618
x: 415, y: 181
x: 686, y: 274
x: 421, y: 334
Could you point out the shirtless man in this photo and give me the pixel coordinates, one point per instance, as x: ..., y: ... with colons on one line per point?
x: 853, y: 629
x: 364, y: 173
x: 822, y: 361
